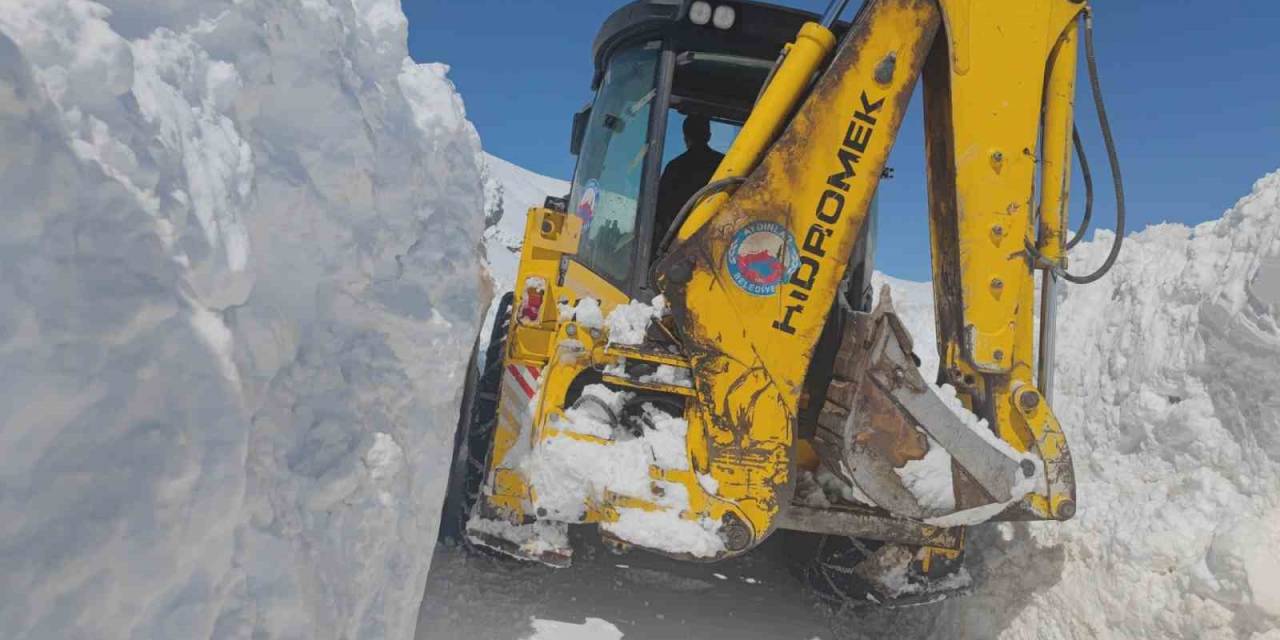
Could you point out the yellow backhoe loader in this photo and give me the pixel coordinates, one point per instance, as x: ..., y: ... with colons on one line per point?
x: 694, y: 379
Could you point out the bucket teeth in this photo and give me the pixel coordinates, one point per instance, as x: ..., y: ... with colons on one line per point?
x: 541, y: 541
x: 881, y: 414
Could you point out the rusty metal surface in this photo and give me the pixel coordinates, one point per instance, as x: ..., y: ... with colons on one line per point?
x: 968, y: 492
x: 882, y: 414
x: 882, y: 427
x: 869, y: 524
x: 940, y: 175
x: 992, y: 468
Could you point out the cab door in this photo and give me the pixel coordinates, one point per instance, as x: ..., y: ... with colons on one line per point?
x: 617, y: 165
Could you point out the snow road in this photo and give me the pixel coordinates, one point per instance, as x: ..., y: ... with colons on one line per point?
x: 643, y: 596
x: 637, y: 595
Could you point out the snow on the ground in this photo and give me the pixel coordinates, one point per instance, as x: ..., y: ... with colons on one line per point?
x: 642, y: 595
x: 1166, y: 387
x: 241, y: 280
x: 591, y: 629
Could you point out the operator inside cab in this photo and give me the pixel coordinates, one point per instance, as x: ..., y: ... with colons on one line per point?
x: 686, y: 173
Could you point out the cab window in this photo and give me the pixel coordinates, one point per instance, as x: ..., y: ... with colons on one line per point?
x: 606, y: 186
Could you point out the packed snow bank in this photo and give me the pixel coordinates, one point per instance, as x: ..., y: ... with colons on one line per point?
x: 1167, y: 389
x: 241, y: 275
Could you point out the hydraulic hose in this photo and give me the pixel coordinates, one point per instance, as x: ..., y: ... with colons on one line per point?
x: 698, y: 196
x: 1087, y: 177
x: 1105, y: 125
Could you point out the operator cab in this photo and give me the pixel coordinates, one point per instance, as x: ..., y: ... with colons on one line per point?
x: 657, y: 64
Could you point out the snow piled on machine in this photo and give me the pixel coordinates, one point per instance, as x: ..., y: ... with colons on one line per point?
x: 1167, y: 388
x: 241, y: 281
x: 569, y: 472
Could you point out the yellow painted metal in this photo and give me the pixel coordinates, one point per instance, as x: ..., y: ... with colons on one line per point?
x: 801, y: 60
x: 1055, y: 153
x: 1057, y: 500
x: 549, y: 235
x: 750, y: 352
x: 513, y: 494
x: 999, y: 56
x: 562, y: 350
x: 657, y: 387
x: 928, y: 555
x: 581, y: 282
x: 1004, y: 49
x: 654, y: 357
x: 506, y: 489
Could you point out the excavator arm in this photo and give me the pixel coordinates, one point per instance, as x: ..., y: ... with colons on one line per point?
x: 758, y: 263
x: 754, y: 273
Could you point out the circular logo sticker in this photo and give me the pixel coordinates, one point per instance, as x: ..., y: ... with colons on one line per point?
x: 761, y: 257
x: 588, y: 202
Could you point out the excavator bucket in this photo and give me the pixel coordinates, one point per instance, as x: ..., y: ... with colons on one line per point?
x: 889, y: 433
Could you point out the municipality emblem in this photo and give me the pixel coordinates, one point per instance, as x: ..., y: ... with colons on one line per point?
x: 761, y: 257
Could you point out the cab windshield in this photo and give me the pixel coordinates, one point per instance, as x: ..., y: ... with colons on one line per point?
x: 606, y: 186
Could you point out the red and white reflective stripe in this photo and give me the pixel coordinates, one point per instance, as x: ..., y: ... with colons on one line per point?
x: 517, y: 404
x: 526, y: 377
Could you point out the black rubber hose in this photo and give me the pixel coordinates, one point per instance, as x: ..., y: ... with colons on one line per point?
x: 698, y: 196
x: 1112, y: 158
x: 1087, y: 177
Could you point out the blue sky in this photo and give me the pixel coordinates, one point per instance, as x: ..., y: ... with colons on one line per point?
x: 1192, y: 88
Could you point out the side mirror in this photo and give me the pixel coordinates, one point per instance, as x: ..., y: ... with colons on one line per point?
x: 579, y: 129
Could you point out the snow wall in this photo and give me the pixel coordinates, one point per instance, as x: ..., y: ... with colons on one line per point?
x: 241, y: 276
x: 1168, y: 387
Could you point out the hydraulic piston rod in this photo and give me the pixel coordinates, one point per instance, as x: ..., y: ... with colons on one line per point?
x: 833, y: 12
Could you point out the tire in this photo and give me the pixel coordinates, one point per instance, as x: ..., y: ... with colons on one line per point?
x: 844, y: 573
x: 476, y: 423
x: 826, y: 564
